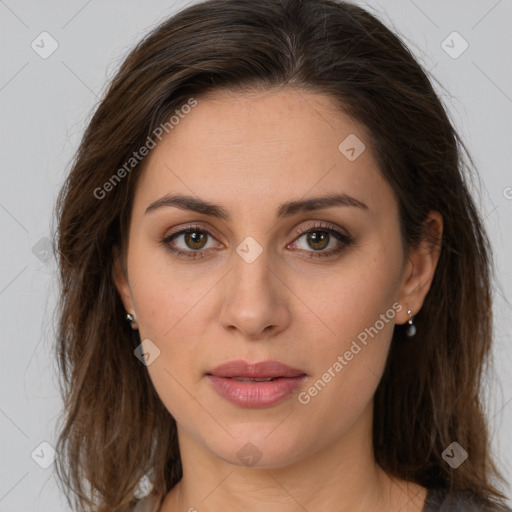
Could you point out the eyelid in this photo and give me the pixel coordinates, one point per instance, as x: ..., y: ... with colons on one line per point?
x: 320, y: 224
x: 304, y: 229
x: 192, y: 227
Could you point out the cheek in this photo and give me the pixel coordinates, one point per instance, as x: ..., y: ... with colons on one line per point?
x: 352, y: 296
x: 170, y: 301
x: 359, y: 307
x: 166, y: 293
x: 166, y: 310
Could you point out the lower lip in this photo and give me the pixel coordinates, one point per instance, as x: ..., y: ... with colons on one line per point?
x: 255, y: 394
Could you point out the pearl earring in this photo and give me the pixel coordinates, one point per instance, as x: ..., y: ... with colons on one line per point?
x: 132, y: 320
x: 411, y: 328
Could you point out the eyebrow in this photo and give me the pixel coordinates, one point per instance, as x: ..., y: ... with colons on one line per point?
x: 285, y: 210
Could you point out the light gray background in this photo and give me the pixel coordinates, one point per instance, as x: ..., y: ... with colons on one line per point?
x: 45, y: 105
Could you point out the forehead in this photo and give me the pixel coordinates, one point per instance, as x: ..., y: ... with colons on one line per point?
x: 242, y: 149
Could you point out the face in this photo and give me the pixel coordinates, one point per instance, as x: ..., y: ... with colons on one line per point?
x: 277, y: 278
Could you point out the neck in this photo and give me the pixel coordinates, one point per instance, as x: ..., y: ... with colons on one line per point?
x: 342, y: 476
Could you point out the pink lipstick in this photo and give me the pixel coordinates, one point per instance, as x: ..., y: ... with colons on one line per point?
x: 255, y: 385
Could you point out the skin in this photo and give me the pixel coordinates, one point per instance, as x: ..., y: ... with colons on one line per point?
x: 249, y: 153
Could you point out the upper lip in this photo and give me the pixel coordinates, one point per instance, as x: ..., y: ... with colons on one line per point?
x: 260, y: 370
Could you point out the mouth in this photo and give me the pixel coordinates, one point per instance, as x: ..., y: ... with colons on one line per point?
x: 255, y: 385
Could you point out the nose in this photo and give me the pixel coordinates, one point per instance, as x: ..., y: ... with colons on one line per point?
x: 256, y: 302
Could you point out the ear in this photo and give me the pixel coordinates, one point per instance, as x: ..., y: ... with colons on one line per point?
x: 120, y: 278
x: 420, y: 267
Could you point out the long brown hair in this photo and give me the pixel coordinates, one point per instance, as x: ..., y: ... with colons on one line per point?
x: 115, y: 428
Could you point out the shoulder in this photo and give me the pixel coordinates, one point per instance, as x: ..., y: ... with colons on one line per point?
x: 442, y: 500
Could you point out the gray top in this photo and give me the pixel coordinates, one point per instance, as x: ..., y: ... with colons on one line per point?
x: 438, y: 500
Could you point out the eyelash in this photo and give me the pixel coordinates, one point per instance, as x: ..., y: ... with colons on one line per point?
x: 345, y: 240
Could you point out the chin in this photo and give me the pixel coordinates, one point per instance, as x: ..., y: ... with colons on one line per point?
x: 260, y: 446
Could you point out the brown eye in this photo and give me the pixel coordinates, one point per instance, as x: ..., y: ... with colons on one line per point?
x: 319, y: 238
x: 195, y: 239
x: 189, y: 242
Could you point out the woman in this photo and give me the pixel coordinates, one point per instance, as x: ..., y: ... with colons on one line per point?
x: 275, y: 283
